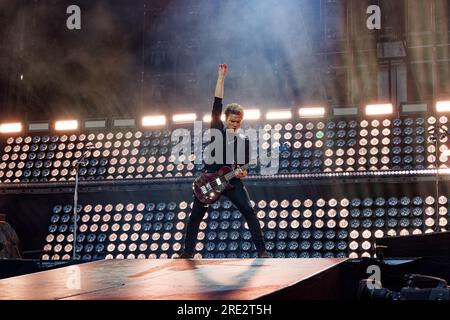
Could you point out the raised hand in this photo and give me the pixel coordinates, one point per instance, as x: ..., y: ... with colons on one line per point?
x: 221, y: 81
x: 223, y: 68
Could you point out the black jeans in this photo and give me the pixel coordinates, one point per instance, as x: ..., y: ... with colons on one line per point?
x: 240, y: 198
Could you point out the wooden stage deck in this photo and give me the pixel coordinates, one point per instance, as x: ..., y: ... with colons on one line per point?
x: 158, y: 279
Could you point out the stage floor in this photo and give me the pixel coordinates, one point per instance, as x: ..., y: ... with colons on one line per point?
x: 158, y: 279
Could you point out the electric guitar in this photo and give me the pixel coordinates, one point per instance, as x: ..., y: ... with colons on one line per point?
x: 208, y: 187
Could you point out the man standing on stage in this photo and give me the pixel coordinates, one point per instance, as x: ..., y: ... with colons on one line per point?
x: 234, y: 114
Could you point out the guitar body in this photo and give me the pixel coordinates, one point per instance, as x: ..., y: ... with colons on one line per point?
x: 209, y: 186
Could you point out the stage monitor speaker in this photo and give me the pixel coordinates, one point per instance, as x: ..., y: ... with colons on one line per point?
x: 424, y: 245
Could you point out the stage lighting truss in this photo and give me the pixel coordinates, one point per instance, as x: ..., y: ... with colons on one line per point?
x: 295, y: 228
x: 316, y: 149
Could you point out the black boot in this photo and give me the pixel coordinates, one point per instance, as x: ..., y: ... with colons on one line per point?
x: 263, y: 254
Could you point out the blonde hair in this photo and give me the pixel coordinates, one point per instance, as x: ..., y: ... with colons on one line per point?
x: 234, y: 108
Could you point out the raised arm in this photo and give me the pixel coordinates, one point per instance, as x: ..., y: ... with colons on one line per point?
x: 221, y: 80
x: 216, y: 122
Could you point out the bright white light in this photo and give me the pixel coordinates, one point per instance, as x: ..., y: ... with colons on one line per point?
x: 10, y: 127
x: 311, y: 112
x: 65, y: 125
x: 443, y: 106
x: 207, y: 117
x: 184, y: 118
x: 151, y: 121
x: 279, y: 115
x: 379, y: 109
x: 252, y: 114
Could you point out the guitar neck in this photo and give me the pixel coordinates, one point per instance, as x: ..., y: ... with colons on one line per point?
x: 232, y: 174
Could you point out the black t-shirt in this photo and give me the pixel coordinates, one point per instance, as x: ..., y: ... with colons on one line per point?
x: 229, y: 140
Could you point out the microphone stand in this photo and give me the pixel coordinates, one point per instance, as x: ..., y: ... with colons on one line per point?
x: 75, y: 199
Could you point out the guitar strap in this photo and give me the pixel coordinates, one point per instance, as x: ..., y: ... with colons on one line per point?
x: 235, y: 151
